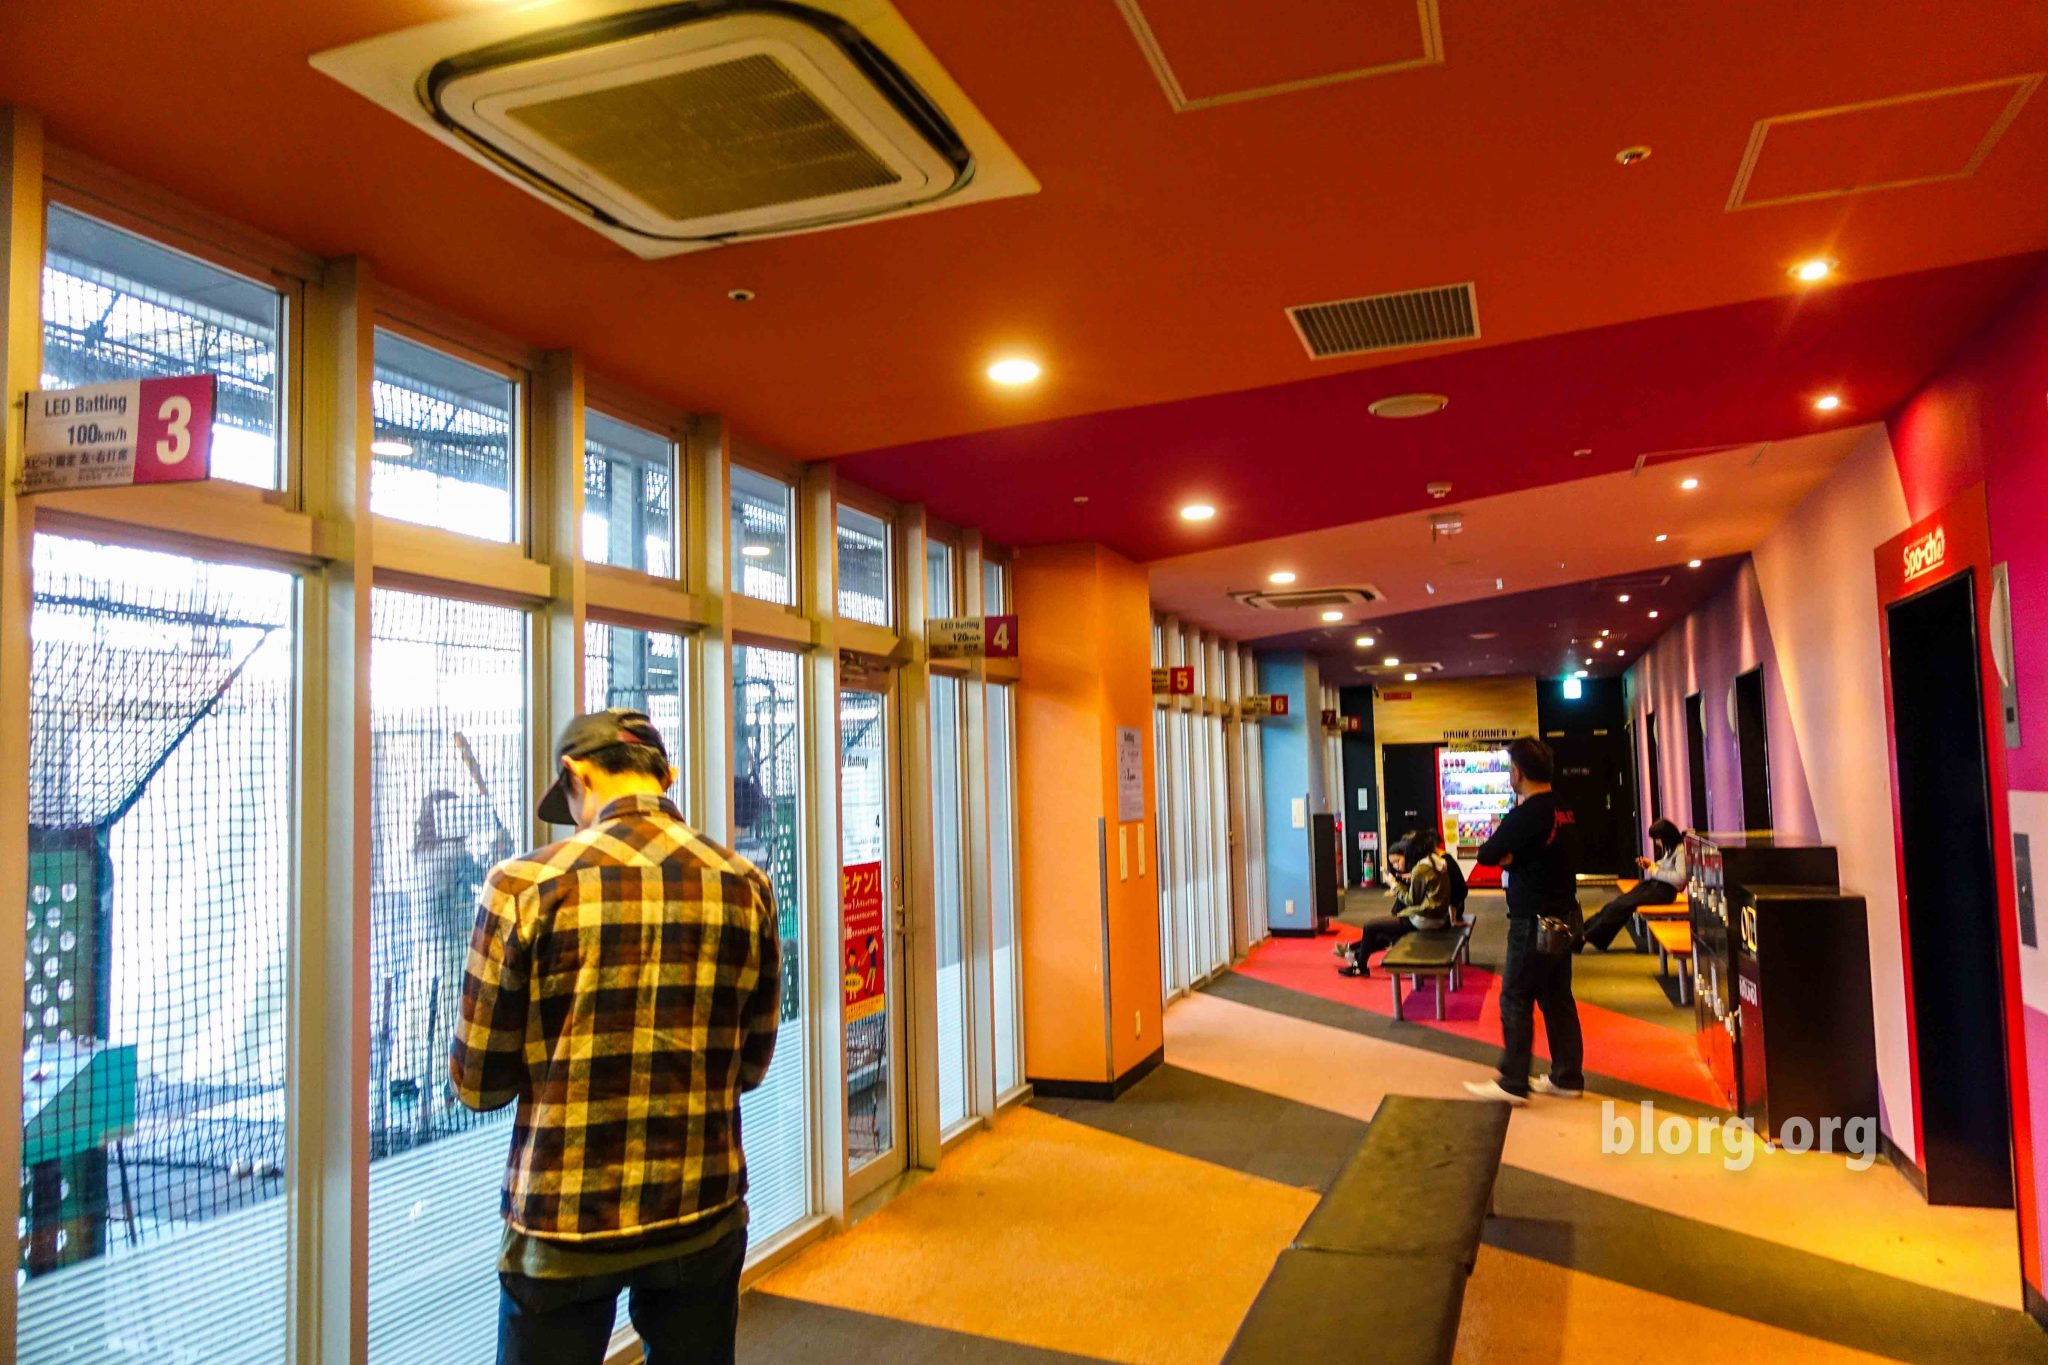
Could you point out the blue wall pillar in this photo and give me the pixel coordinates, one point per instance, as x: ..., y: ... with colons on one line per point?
x: 1290, y: 748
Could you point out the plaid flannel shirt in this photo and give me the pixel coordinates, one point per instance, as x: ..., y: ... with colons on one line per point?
x: 624, y: 987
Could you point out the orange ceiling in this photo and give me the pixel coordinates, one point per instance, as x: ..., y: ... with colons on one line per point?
x: 1154, y: 265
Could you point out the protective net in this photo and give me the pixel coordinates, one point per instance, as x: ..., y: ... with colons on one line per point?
x: 442, y: 453
x: 157, y: 970
x: 447, y: 792
x: 629, y: 513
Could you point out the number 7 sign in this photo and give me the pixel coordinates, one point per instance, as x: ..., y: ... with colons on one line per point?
x: 999, y: 637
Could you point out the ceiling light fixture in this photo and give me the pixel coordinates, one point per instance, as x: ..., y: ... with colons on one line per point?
x: 1599, y: 644
x: 1399, y: 405
x: 1827, y: 402
x: 1662, y: 537
x: 1605, y: 633
x: 1365, y: 642
x: 1632, y: 156
x: 1333, y: 616
x: 1653, y: 616
x: 1622, y: 598
x: 391, y: 449
x: 740, y: 295
x: 1410, y: 677
x: 1688, y: 484
x: 1197, y: 511
x: 1391, y: 662
x: 1694, y: 563
x: 1015, y: 370
x: 1814, y: 269
x: 1283, y: 576
x: 1619, y: 652
x: 1582, y: 673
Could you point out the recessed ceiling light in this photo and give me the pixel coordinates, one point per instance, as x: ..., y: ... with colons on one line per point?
x: 1619, y: 652
x: 1662, y: 537
x: 1407, y: 405
x: 1197, y: 511
x: 1582, y: 452
x: 1391, y: 662
x: 1653, y: 616
x: 1081, y: 498
x: 1827, y: 402
x: 1015, y: 370
x: 1410, y: 677
x: 1688, y: 484
x: 1622, y: 598
x: 1333, y: 616
x: 740, y: 295
x: 1582, y: 673
x: 1694, y: 563
x: 1283, y: 576
x: 1814, y: 269
x: 1365, y: 642
x: 396, y: 450
x: 1605, y: 633
x: 1632, y: 156
x: 756, y: 551
x: 1599, y: 644
x: 1486, y: 635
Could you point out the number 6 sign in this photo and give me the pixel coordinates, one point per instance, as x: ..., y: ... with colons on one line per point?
x: 174, y: 429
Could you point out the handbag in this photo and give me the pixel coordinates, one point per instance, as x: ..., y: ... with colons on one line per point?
x: 1557, y: 936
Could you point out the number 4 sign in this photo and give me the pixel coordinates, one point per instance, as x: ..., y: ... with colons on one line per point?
x: 108, y: 435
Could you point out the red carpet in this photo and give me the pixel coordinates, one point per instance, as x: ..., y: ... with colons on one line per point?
x: 1617, y: 1045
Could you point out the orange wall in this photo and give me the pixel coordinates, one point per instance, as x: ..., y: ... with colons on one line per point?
x: 1085, y: 659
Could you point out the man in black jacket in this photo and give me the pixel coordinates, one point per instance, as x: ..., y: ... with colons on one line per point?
x: 1536, y: 844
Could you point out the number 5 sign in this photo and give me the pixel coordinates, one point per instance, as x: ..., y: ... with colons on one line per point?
x: 107, y: 435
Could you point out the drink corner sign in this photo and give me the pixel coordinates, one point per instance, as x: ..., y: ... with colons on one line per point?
x: 136, y: 431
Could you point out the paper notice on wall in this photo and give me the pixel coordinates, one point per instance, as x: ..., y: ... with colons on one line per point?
x: 866, y: 941
x: 1130, y: 774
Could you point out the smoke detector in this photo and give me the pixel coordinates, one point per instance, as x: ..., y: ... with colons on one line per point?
x: 1438, y: 490
x: 688, y: 125
x: 1408, y: 405
x: 1442, y: 524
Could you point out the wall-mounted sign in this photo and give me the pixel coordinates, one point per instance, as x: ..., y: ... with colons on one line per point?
x: 1329, y: 719
x: 1183, y: 681
x: 1162, y: 682
x: 1354, y: 725
x: 112, y: 435
x: 1397, y: 696
x: 1925, y: 555
x: 1263, y: 704
x: 1130, y: 774
x: 1480, y: 734
x: 1276, y: 704
x: 866, y: 941
x: 971, y: 637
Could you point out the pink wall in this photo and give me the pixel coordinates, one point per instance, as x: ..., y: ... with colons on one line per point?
x: 1727, y: 635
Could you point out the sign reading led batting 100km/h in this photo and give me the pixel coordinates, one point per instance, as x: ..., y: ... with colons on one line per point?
x: 111, y: 435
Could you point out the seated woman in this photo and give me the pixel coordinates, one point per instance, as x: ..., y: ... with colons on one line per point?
x: 1422, y: 900
x: 1663, y: 879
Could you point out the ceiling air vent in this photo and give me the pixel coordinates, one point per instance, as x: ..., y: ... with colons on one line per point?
x: 1386, y: 322
x: 1309, y: 599
x: 677, y: 127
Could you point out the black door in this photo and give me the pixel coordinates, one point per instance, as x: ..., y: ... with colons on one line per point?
x: 1591, y: 783
x: 1696, y: 758
x: 1753, y: 745
x: 1656, y: 767
x: 1951, y: 897
x: 1411, y: 789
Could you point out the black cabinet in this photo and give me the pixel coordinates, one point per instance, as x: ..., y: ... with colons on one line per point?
x: 1806, y: 1043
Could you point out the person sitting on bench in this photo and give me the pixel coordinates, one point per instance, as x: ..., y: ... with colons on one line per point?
x: 1422, y: 900
x: 1663, y: 879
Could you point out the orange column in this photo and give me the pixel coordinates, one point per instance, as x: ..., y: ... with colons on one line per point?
x: 1089, y: 908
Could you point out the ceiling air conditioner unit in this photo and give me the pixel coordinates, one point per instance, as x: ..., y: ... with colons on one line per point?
x: 678, y: 127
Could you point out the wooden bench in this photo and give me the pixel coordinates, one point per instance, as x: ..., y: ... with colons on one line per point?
x: 1378, y: 1271
x: 1674, y: 941
x: 1435, y: 953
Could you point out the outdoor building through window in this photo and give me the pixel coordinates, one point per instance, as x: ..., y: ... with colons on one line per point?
x: 629, y: 503
x: 643, y: 670
x: 763, y: 528
x: 155, y: 1044
x: 863, y: 567
x: 116, y: 306
x: 442, y: 452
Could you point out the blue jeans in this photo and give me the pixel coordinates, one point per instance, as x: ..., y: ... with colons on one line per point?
x: 1530, y: 981
x: 686, y: 1311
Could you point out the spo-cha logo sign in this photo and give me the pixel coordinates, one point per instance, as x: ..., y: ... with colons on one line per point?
x: 1926, y: 554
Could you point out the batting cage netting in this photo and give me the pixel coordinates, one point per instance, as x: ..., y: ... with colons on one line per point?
x: 157, y: 967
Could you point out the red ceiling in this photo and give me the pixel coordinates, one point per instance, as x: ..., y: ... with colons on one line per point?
x: 1155, y: 264
x: 1546, y: 633
x: 1307, y: 455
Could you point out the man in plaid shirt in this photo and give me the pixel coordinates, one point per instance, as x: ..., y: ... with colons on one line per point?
x: 623, y: 988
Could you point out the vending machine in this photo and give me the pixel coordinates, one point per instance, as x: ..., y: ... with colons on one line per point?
x: 1473, y: 793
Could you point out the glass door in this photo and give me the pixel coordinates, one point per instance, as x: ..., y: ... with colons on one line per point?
x: 871, y: 991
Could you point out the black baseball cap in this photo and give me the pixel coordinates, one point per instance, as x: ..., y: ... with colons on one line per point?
x: 588, y: 734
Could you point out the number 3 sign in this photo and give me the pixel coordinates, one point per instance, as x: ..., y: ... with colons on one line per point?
x: 174, y: 429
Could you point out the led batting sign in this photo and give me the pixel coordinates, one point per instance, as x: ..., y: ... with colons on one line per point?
x: 110, y: 435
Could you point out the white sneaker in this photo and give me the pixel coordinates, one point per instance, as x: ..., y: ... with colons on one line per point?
x: 1491, y: 1090
x: 1543, y: 1085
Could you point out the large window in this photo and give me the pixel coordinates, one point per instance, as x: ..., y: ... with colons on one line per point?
x: 763, y: 537
x: 949, y: 909
x: 643, y: 670
x: 442, y: 455
x: 768, y: 829
x: 160, y: 799
x: 863, y: 567
x: 448, y: 762
x: 864, y: 843
x: 116, y: 306
x: 938, y: 578
x: 1002, y: 876
x: 629, y: 496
